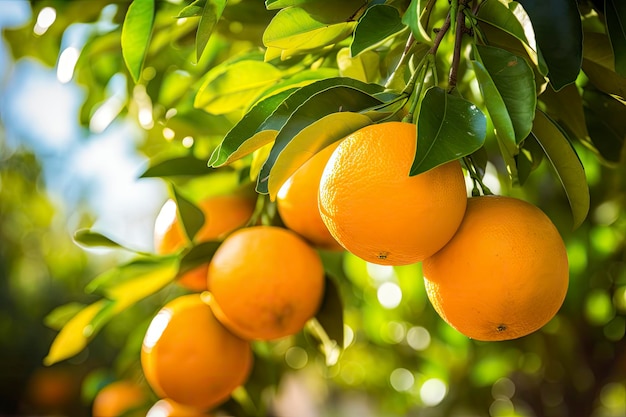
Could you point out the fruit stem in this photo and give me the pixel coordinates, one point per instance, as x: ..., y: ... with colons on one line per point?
x: 459, y: 30
x: 476, y: 178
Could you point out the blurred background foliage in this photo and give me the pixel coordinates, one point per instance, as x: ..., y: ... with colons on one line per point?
x: 400, y: 358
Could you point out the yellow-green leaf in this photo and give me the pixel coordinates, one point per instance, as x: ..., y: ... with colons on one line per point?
x: 233, y: 87
x: 311, y: 140
x: 294, y: 28
x: 75, y: 335
x: 136, y: 32
x: 363, y: 67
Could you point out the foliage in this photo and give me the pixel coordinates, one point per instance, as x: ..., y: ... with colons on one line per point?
x: 242, y: 93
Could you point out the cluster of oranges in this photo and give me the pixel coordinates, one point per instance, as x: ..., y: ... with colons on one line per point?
x: 495, y: 268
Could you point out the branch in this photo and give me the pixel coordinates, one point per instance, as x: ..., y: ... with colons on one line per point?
x: 460, y: 30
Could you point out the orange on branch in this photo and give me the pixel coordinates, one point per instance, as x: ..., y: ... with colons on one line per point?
x: 266, y: 282
x: 377, y: 211
x: 297, y: 202
x: 503, y: 275
x: 190, y: 357
x: 119, y: 398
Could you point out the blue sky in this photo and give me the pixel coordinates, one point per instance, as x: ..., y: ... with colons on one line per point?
x: 100, y: 169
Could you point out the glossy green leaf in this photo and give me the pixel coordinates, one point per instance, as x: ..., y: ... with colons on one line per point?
x: 245, y: 137
x: 260, y: 125
x: 514, y: 21
x: 136, y: 32
x: 605, y: 117
x: 566, y: 164
x: 294, y: 28
x: 338, y: 98
x: 363, y: 67
x: 280, y: 4
x: 615, y: 14
x: 90, y: 239
x: 599, y: 66
x: 448, y: 128
x: 187, y: 165
x: 558, y: 30
x: 232, y: 87
x: 211, y: 13
x: 73, y: 336
x: 309, y: 141
x: 412, y: 19
x: 190, y: 216
x: 508, y: 87
x: 379, y: 23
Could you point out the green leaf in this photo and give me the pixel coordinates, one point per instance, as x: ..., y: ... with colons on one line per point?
x: 294, y: 28
x: 261, y: 124
x: 190, y: 216
x: 448, y: 128
x: 136, y: 32
x: 74, y: 335
x: 58, y: 317
x: 615, y: 15
x: 90, y: 239
x: 599, y: 66
x: 211, y: 13
x: 605, y: 117
x: 528, y: 159
x: 235, y: 86
x: 146, y: 280
x: 245, y: 137
x: 514, y: 21
x: 566, y: 164
x: 380, y: 22
x: 334, y: 99
x: 508, y: 87
x: 412, y: 19
x: 127, y: 272
x: 364, y: 67
x: 192, y: 10
x: 309, y: 141
x: 558, y: 30
x: 187, y: 165
x: 327, y: 326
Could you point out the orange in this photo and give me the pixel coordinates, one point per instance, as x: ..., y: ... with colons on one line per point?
x: 53, y: 390
x: 297, y: 202
x: 266, y: 282
x: 223, y: 214
x: 503, y: 275
x: 118, y: 398
x: 375, y: 210
x: 168, y: 408
x: 190, y: 358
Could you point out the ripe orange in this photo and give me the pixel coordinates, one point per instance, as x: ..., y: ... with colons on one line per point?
x: 119, y: 398
x: 168, y: 408
x: 297, y: 202
x: 189, y: 357
x: 223, y: 214
x: 377, y: 211
x: 266, y: 282
x: 503, y: 275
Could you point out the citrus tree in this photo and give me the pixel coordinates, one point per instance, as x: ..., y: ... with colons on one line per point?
x: 318, y: 154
